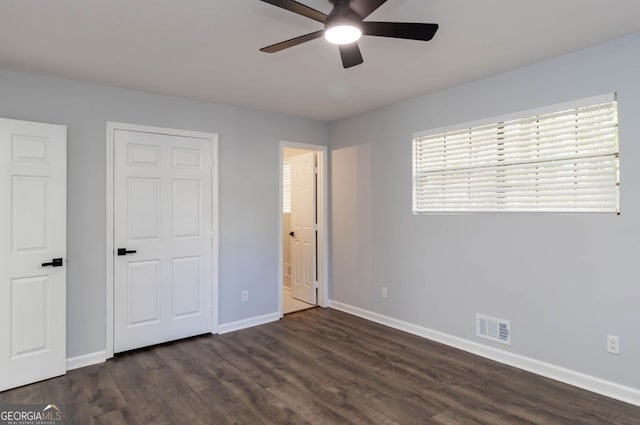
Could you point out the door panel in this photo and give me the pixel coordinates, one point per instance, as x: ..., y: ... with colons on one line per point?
x: 29, y: 213
x: 186, y: 291
x: 162, y: 209
x: 143, y: 209
x: 143, y: 292
x: 143, y: 155
x: 29, y: 148
x: 187, y: 158
x: 28, y: 315
x: 32, y: 233
x: 303, y: 219
x: 186, y: 208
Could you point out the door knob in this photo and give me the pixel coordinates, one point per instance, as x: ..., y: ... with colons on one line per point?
x: 55, y: 262
x: 291, y: 233
x: 125, y: 251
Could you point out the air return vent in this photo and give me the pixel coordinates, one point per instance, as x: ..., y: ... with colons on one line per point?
x: 497, y: 330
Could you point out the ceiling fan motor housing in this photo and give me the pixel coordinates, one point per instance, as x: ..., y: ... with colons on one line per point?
x: 342, y: 9
x: 348, y: 17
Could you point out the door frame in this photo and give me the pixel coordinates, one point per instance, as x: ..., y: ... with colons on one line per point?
x: 323, y: 231
x: 110, y: 218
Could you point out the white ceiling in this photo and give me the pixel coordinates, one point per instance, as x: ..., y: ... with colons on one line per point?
x: 208, y: 49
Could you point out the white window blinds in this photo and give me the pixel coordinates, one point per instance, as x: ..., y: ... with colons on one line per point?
x: 286, y: 186
x: 562, y: 161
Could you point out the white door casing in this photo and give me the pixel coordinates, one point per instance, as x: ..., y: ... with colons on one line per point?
x: 303, y: 219
x: 33, y: 174
x: 163, y: 211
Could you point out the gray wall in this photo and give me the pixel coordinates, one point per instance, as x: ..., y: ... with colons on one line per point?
x: 564, y: 281
x: 248, y: 180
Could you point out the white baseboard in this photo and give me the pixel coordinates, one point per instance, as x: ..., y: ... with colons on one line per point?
x: 101, y: 356
x: 567, y: 376
x: 248, y: 323
x: 86, y: 360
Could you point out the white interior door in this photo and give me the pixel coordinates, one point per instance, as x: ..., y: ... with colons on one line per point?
x: 162, y: 238
x: 33, y: 187
x: 303, y: 219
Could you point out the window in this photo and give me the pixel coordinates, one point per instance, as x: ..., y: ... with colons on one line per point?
x: 561, y: 159
x: 286, y: 186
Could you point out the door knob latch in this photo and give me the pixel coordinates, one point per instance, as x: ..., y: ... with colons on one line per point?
x: 125, y: 251
x: 55, y: 262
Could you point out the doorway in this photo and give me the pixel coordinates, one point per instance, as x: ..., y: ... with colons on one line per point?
x: 303, y: 227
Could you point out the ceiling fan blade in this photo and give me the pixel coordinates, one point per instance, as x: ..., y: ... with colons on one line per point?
x: 350, y: 54
x: 407, y: 30
x: 298, y: 8
x: 365, y: 8
x: 292, y: 42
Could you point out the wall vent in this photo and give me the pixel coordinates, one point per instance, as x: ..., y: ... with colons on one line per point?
x: 497, y: 330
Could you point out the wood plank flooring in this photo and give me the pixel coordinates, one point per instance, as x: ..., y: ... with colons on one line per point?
x: 318, y: 366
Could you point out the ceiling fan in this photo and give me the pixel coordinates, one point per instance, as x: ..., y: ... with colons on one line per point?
x: 345, y: 24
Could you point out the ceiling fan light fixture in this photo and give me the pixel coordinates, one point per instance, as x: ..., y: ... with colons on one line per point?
x: 342, y: 34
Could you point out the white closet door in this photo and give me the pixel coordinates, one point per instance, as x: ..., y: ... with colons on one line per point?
x: 303, y: 219
x: 163, y: 258
x: 33, y: 181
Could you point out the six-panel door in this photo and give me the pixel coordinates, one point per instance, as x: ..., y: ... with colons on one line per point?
x: 33, y: 200
x: 303, y: 219
x: 162, y: 210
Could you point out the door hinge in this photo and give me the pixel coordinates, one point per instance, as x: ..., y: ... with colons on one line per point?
x: 315, y: 169
x: 315, y: 285
x: 315, y: 226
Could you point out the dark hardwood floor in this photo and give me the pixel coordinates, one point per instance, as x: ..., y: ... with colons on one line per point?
x: 315, y: 367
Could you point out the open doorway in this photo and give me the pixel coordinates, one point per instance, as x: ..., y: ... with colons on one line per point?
x: 303, y: 227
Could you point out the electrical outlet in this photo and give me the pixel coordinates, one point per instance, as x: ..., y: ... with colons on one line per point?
x: 613, y: 344
x: 245, y: 296
x: 383, y: 292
